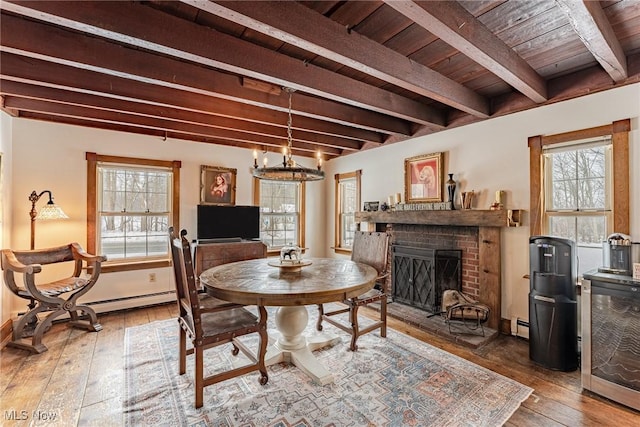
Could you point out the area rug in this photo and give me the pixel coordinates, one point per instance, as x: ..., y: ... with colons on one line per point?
x: 391, y: 381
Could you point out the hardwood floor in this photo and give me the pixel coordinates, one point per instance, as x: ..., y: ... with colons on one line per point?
x: 79, y: 381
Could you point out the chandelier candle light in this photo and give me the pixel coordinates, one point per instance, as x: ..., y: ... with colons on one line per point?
x: 289, y: 171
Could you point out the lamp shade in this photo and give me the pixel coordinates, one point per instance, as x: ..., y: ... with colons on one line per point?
x: 51, y: 211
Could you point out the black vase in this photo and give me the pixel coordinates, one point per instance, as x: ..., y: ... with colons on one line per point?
x: 451, y: 190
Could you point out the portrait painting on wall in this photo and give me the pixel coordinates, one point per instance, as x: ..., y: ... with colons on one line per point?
x: 423, y: 178
x: 217, y: 185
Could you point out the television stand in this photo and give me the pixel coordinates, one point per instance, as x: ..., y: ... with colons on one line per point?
x: 220, y: 240
x: 210, y: 254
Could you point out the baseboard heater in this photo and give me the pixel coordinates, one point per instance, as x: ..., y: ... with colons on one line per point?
x: 122, y: 303
x: 520, y: 327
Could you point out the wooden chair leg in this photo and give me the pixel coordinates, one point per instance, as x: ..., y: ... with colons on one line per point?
x: 320, y: 315
x: 355, y: 331
x: 91, y: 324
x: 262, y: 349
x: 26, y: 320
x: 383, y: 316
x: 183, y: 352
x: 199, y: 362
x: 43, y: 327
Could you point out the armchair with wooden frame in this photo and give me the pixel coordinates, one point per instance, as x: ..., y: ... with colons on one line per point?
x: 370, y: 248
x: 56, y: 298
x: 210, y: 322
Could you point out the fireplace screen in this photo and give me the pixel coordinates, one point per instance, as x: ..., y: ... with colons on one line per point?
x: 421, y: 275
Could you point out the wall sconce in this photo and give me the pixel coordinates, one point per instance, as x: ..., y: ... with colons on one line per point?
x: 50, y: 211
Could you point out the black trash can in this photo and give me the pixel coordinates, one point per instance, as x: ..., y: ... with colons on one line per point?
x: 553, y: 308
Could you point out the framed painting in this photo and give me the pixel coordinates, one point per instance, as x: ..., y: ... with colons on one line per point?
x: 217, y: 185
x: 423, y: 178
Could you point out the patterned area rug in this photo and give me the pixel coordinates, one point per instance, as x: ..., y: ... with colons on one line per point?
x: 387, y: 382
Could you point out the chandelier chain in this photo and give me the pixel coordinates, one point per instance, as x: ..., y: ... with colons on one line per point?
x: 289, y: 124
x: 289, y: 171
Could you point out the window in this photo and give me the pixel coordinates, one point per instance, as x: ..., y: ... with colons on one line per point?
x: 134, y: 203
x: 347, y: 202
x: 281, y: 213
x: 580, y: 187
x: 577, y: 182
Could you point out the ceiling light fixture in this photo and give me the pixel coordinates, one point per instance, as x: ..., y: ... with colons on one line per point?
x: 289, y: 171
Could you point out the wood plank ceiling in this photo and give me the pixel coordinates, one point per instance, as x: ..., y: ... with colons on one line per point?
x: 365, y: 73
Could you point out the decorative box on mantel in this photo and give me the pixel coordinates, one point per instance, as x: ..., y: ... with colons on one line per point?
x: 487, y: 226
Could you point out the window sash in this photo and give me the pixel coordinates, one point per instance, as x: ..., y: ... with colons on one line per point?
x: 575, y: 185
x: 136, y: 238
x: 347, y: 203
x: 134, y: 190
x: 585, y: 216
x: 347, y: 196
x: 280, y: 214
x: 133, y: 212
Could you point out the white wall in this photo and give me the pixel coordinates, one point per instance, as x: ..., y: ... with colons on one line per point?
x: 485, y: 157
x: 5, y: 205
x: 49, y: 156
x: 493, y: 155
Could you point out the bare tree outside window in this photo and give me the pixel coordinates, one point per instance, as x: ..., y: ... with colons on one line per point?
x: 348, y: 207
x: 347, y: 202
x: 578, y: 198
x: 134, y: 211
x: 279, y: 213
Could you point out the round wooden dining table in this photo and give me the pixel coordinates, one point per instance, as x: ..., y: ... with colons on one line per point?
x: 263, y: 282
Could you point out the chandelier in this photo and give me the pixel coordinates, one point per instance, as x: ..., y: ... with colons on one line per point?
x: 289, y: 171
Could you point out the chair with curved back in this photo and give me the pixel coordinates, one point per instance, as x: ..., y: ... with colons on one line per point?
x: 56, y: 298
x: 370, y: 248
x: 210, y: 322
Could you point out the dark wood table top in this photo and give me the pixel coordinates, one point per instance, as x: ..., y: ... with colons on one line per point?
x: 257, y: 282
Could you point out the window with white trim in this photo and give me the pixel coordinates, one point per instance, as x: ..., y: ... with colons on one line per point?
x: 281, y: 213
x: 347, y: 202
x: 578, y: 195
x: 129, y: 214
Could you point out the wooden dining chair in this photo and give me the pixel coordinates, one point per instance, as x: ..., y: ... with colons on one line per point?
x: 370, y: 248
x: 210, y: 322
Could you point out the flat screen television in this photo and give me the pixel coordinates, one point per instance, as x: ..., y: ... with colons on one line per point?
x: 217, y: 222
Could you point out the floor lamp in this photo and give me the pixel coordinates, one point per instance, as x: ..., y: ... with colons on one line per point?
x: 49, y: 211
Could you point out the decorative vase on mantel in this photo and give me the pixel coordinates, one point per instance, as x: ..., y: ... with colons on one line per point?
x: 451, y: 190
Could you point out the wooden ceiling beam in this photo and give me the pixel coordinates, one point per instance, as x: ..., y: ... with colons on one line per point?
x: 39, y: 72
x: 592, y: 26
x: 164, y: 135
x: 300, y: 26
x: 42, y: 93
x: 451, y: 22
x: 34, y: 39
x: 9, y: 111
x: 141, y: 26
x: 165, y: 125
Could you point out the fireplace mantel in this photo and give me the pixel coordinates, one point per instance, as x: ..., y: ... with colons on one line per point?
x: 467, y: 217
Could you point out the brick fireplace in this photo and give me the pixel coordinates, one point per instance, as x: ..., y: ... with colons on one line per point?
x: 477, y: 233
x: 442, y: 238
